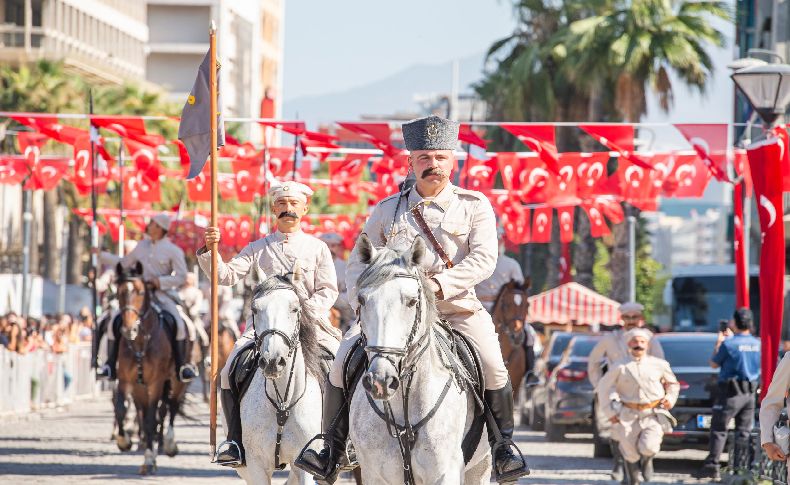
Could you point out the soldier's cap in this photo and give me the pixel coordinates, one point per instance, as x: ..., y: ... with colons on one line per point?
x: 430, y: 133
x: 162, y: 220
x: 331, y: 238
x: 631, y: 307
x: 290, y: 188
x: 638, y: 332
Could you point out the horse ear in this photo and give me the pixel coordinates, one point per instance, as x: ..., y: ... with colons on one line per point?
x: 138, y: 268
x: 527, y: 283
x: 417, y: 251
x: 365, y: 249
x: 119, y: 269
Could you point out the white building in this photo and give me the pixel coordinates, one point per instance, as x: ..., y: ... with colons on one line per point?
x: 698, y: 239
x: 101, y: 40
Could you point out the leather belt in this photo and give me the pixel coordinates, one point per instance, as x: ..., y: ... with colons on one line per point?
x: 415, y: 211
x: 487, y: 298
x: 642, y: 406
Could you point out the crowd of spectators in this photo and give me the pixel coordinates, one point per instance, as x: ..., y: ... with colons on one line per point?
x: 52, y: 332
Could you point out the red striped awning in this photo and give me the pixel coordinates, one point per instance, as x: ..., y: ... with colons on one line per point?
x: 573, y: 303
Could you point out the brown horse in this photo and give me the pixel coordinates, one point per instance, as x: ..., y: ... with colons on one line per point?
x: 509, y: 314
x: 146, y: 370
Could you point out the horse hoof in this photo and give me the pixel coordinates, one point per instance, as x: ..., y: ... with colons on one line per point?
x: 147, y: 470
x: 124, y: 443
x: 171, y: 451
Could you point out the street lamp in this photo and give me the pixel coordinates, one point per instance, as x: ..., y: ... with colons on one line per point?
x: 767, y: 87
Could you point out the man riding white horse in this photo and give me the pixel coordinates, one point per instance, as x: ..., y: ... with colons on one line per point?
x: 454, y: 221
x: 165, y: 271
x: 286, y: 252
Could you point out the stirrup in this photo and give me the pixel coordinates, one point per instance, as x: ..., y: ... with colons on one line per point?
x: 184, y: 367
x: 104, y: 372
x: 231, y: 463
x: 522, y: 471
x: 320, y: 475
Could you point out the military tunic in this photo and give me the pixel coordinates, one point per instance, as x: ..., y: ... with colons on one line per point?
x: 639, y: 432
x: 282, y: 254
x: 507, y: 270
x: 164, y: 261
x: 774, y: 400
x: 613, y: 348
x: 463, y: 222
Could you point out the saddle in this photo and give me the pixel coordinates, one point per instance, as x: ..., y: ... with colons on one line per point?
x: 470, y: 377
x: 166, y: 320
x: 243, y: 366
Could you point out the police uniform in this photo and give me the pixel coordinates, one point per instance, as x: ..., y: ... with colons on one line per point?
x: 507, y: 269
x: 283, y: 254
x: 631, y: 391
x: 739, y: 360
x: 464, y: 225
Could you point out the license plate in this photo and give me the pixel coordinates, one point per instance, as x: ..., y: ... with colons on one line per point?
x: 703, y: 421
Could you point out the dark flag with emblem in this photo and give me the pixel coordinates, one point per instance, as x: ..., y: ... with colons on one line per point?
x: 195, y: 128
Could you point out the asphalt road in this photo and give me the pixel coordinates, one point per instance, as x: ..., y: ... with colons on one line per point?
x: 72, y: 445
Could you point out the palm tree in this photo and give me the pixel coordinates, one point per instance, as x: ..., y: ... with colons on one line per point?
x: 631, y: 48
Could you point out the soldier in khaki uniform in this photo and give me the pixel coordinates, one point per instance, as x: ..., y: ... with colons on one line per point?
x: 611, y: 349
x: 636, y: 396
x: 771, y: 409
x: 464, y: 225
x: 507, y: 269
x: 287, y: 251
x: 335, y: 243
x: 164, y: 269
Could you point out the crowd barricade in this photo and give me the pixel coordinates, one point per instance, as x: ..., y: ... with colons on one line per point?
x: 749, y: 464
x: 45, y: 379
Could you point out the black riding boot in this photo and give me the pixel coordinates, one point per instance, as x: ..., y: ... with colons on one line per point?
x: 231, y: 452
x: 508, y: 465
x: 631, y: 473
x: 108, y: 370
x: 325, y: 466
x: 185, y: 370
x: 617, y: 461
x: 646, y: 463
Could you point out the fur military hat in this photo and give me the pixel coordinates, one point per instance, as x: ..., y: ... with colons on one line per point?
x: 430, y: 133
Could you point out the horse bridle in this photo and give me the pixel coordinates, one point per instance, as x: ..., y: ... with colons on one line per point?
x: 280, y: 403
x: 139, y: 355
x: 516, y: 338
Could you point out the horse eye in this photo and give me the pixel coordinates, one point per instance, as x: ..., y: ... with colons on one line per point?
x: 412, y: 302
x: 295, y: 310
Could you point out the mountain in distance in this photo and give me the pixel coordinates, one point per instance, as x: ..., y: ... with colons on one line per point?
x: 389, y: 95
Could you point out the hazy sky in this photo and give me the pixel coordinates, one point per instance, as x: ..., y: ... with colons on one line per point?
x: 335, y: 45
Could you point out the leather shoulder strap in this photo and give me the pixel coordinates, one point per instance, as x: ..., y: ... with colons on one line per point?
x: 415, y: 211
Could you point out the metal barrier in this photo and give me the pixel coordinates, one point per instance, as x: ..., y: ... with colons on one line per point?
x: 44, y: 379
x: 748, y: 462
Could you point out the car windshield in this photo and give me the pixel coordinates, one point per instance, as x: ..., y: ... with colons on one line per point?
x: 560, y: 344
x: 700, y: 302
x: 583, y: 347
x: 688, y: 352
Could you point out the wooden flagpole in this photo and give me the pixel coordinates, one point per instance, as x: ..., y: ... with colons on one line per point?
x: 214, y: 249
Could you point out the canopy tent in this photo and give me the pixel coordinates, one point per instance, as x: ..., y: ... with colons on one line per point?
x: 573, y: 303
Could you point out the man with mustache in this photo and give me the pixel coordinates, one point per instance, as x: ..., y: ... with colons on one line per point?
x: 611, y: 349
x: 287, y: 252
x: 636, y: 396
x: 463, y: 253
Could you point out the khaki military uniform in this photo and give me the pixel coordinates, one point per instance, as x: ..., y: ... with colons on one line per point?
x: 507, y: 270
x: 463, y: 222
x: 192, y: 300
x: 164, y: 261
x: 346, y: 313
x: 774, y: 400
x: 281, y: 254
x: 613, y: 348
x: 639, y: 432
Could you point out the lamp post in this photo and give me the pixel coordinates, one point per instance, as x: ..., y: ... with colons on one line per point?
x: 767, y: 88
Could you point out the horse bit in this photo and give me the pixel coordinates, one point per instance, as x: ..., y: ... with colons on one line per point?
x: 280, y: 405
x: 406, y: 434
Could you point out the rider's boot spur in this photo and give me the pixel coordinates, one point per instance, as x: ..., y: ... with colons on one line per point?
x: 231, y: 452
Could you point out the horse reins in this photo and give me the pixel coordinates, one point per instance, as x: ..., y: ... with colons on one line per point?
x: 139, y: 355
x: 282, y: 408
x: 406, y: 434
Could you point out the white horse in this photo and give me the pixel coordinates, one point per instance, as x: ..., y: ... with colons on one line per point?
x: 286, y: 381
x: 408, y: 370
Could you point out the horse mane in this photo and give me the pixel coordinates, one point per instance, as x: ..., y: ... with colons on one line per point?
x: 309, y: 320
x: 383, y: 267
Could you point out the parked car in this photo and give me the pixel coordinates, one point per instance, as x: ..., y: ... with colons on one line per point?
x: 688, y: 355
x: 568, y: 392
x: 532, y: 410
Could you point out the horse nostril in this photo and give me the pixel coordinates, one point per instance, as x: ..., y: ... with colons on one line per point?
x: 393, y: 383
x: 281, y: 362
x: 367, y: 381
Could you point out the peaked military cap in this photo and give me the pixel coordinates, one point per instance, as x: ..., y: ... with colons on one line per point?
x: 430, y: 133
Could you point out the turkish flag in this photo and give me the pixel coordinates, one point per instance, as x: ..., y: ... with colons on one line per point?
x: 765, y: 162
x: 81, y: 177
x: 567, y: 181
x: 539, y: 138
x: 611, y: 209
x: 636, y: 183
x: 141, y: 187
x: 741, y: 268
x: 377, y: 134
x: 229, y: 228
x: 780, y: 132
x: 397, y: 165
x: 564, y: 272
x: 618, y: 138
x: 226, y: 183
x: 128, y: 127
x: 344, y: 176
x: 13, y: 170
x: 199, y: 188
x: 741, y: 163
x: 281, y: 164
x: 528, y: 178
x: 710, y: 143
x: 478, y: 174
x: 467, y: 134
x: 113, y: 225
x: 591, y: 174
x: 565, y: 217
x: 598, y: 227
x: 245, y: 232
x: 292, y: 127
x: 516, y: 221
x: 46, y: 174
x: 541, y: 224
x: 248, y: 179
x: 688, y: 177
x: 145, y: 157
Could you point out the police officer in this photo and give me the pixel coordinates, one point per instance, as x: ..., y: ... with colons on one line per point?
x: 463, y: 227
x: 636, y: 396
x: 611, y: 349
x: 165, y: 270
x: 284, y: 252
x: 738, y: 357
